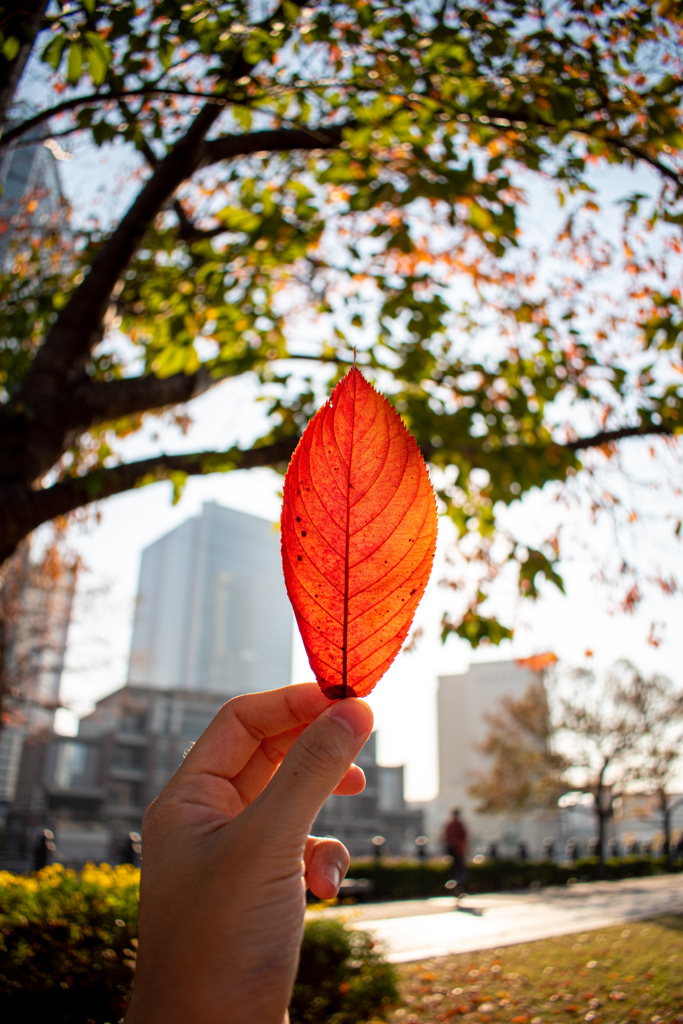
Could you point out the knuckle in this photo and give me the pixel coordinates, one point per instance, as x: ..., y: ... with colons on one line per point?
x: 318, y: 757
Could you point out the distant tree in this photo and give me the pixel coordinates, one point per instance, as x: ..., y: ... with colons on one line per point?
x: 36, y: 594
x: 525, y: 771
x: 658, y: 708
x: 567, y: 734
x: 364, y: 168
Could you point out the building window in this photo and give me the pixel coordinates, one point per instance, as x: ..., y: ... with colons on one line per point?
x: 390, y: 786
x: 132, y: 723
x: 125, y: 795
x: 128, y: 758
x: 194, y: 723
x: 70, y: 764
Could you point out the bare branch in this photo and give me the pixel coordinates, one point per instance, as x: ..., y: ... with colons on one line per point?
x: 640, y: 154
x: 608, y: 436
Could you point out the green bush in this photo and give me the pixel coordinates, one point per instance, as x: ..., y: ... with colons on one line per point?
x: 342, y: 979
x: 67, y: 944
x: 402, y: 880
x: 68, y: 951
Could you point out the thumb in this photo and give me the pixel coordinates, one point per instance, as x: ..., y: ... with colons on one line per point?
x: 315, y: 764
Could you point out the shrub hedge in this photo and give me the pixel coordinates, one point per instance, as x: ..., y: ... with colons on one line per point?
x: 401, y: 880
x: 342, y: 979
x: 67, y: 944
x: 68, y: 951
x: 68, y: 941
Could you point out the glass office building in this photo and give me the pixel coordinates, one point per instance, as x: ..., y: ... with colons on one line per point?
x: 212, y: 612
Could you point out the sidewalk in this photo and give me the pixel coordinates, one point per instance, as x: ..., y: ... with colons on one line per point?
x: 418, y: 929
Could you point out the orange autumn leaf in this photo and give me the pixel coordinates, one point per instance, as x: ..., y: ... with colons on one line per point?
x: 358, y: 537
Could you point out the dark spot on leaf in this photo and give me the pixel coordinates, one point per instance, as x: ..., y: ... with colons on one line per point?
x: 298, y: 519
x: 298, y: 558
x: 303, y: 533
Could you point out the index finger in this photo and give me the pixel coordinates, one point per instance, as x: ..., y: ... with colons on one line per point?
x: 231, y: 739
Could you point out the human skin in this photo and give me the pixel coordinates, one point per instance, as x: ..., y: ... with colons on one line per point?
x: 227, y: 857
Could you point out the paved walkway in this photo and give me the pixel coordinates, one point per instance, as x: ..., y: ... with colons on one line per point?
x: 419, y: 929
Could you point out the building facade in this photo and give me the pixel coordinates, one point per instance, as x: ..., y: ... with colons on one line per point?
x: 92, y: 790
x: 212, y: 612
x: 380, y: 811
x: 463, y: 702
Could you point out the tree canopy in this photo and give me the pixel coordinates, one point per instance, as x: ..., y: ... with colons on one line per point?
x: 415, y: 180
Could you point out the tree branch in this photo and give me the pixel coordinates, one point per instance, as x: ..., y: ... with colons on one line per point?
x: 608, y: 436
x: 23, y: 509
x: 101, y: 401
x: 639, y: 154
x: 274, y: 140
x: 23, y: 23
x: 78, y: 327
x: 112, y: 96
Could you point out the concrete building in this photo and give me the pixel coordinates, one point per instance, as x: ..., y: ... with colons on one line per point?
x: 379, y: 811
x: 92, y: 790
x: 463, y: 702
x: 212, y: 611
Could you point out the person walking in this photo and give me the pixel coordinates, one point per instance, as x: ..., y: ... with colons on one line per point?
x: 455, y: 845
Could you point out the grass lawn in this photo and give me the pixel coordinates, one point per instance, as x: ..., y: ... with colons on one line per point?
x: 622, y: 975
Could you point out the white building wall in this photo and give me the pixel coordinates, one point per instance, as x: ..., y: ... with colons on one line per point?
x: 463, y: 702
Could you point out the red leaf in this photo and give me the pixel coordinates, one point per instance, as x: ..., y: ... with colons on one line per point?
x: 358, y: 537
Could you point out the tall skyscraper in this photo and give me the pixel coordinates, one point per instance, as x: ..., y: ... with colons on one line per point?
x: 31, y: 197
x: 212, y: 612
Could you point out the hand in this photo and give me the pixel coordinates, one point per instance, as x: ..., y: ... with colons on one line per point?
x: 227, y: 857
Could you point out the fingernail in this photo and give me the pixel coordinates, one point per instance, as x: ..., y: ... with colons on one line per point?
x: 352, y: 715
x: 333, y: 874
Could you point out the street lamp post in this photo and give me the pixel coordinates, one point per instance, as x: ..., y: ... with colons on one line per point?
x: 377, y: 844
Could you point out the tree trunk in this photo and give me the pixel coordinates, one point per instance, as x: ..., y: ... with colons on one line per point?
x: 23, y: 24
x: 603, y: 814
x: 666, y: 822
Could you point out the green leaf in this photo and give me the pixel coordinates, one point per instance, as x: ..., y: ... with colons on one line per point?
x: 52, y: 54
x: 178, y: 480
x: 476, y: 628
x: 10, y: 47
x: 166, y: 52
x: 74, y: 64
x: 96, y: 66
